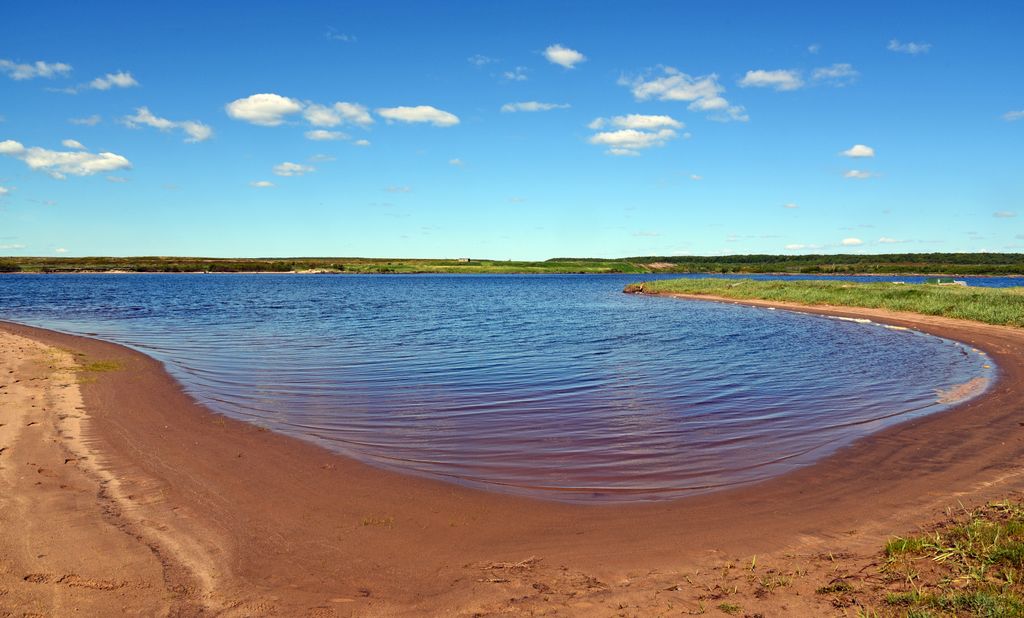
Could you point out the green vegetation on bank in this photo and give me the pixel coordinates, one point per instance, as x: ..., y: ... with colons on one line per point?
x: 1003, y: 306
x: 920, y: 263
x: 327, y: 265
x: 890, y: 263
x: 973, y: 566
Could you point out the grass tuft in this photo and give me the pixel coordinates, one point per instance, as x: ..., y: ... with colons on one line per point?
x: 100, y: 366
x: 970, y: 567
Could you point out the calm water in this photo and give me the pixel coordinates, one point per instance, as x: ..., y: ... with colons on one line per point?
x: 552, y: 386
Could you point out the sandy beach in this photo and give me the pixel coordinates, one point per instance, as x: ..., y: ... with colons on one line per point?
x: 120, y: 494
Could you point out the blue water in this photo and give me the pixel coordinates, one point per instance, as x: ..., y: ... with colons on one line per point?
x: 556, y: 386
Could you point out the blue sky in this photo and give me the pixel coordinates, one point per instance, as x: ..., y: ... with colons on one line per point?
x: 635, y: 128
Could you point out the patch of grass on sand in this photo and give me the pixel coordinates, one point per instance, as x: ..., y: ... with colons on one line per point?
x: 730, y: 608
x: 381, y: 522
x: 100, y: 366
x: 1002, y: 306
x: 972, y: 566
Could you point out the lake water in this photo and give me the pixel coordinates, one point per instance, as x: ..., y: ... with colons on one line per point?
x: 555, y: 386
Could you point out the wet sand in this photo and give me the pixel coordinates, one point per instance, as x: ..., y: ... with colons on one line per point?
x: 125, y: 495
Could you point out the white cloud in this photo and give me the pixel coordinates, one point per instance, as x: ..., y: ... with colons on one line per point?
x: 456, y: 162
x: 317, y: 158
x: 480, y: 60
x: 858, y: 174
x: 781, y: 79
x: 121, y: 79
x: 626, y: 142
x: 852, y: 242
x: 790, y: 206
x: 885, y: 240
x: 419, y: 113
x: 33, y: 70
x: 88, y: 121
x: 117, y: 179
x: 696, y: 177
x: 75, y: 144
x: 517, y: 74
x: 814, y: 48
x: 799, y: 247
x: 362, y: 142
x: 394, y: 189
x: 11, y: 147
x: 703, y: 93
x: 261, y: 184
x: 321, y: 135
x: 332, y: 34
x: 839, y: 74
x: 144, y: 117
x: 196, y: 131
x: 60, y: 250
x: 60, y: 164
x: 1014, y: 115
x: 563, y: 56
x: 1004, y: 214
x: 4, y: 191
x: 292, y: 169
x: 321, y: 116
x: 637, y: 121
x: 858, y: 151
x: 265, y: 109
x: 533, y: 106
x: 12, y: 247
x: 908, y: 48
x: 341, y: 112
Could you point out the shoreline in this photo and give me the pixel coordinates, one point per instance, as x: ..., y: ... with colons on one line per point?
x: 279, y: 523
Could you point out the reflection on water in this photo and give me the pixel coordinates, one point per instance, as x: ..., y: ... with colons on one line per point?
x: 552, y: 386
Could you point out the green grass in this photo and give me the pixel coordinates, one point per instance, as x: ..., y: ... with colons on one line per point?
x: 1004, y: 306
x: 100, y: 366
x: 973, y: 566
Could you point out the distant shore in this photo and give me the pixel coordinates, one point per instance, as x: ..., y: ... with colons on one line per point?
x: 245, y: 520
x: 504, y: 272
x: 908, y: 264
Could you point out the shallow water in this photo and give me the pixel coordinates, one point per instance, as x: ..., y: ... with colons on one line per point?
x: 556, y: 386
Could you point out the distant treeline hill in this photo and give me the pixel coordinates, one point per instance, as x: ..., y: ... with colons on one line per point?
x: 893, y: 263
